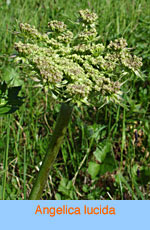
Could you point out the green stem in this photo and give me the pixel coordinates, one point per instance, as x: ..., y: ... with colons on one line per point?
x: 54, y: 146
x: 6, y: 159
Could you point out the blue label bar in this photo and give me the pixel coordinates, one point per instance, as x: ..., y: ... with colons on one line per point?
x: 74, y: 215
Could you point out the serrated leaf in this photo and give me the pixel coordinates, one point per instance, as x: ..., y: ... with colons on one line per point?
x: 11, y: 77
x: 100, y: 153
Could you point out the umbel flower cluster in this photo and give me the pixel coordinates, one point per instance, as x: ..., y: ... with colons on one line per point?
x: 76, y: 68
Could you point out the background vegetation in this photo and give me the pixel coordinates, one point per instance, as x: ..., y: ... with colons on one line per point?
x: 106, y: 154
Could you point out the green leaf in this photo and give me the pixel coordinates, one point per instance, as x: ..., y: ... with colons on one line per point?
x: 101, y: 152
x: 93, y: 169
x: 5, y: 109
x: 66, y: 188
x: 138, y: 74
x: 108, y: 165
x: 57, y: 196
x: 9, y: 99
x: 11, y: 77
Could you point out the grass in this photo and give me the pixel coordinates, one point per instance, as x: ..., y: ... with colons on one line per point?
x: 24, y: 134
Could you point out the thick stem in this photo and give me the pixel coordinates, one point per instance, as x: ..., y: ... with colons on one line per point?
x: 53, y: 149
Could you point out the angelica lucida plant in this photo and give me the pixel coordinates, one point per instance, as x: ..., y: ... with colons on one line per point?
x: 76, y: 70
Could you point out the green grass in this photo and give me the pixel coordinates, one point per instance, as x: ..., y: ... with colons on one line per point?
x: 24, y: 134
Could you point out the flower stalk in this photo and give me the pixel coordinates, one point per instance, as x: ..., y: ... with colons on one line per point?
x: 53, y: 149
